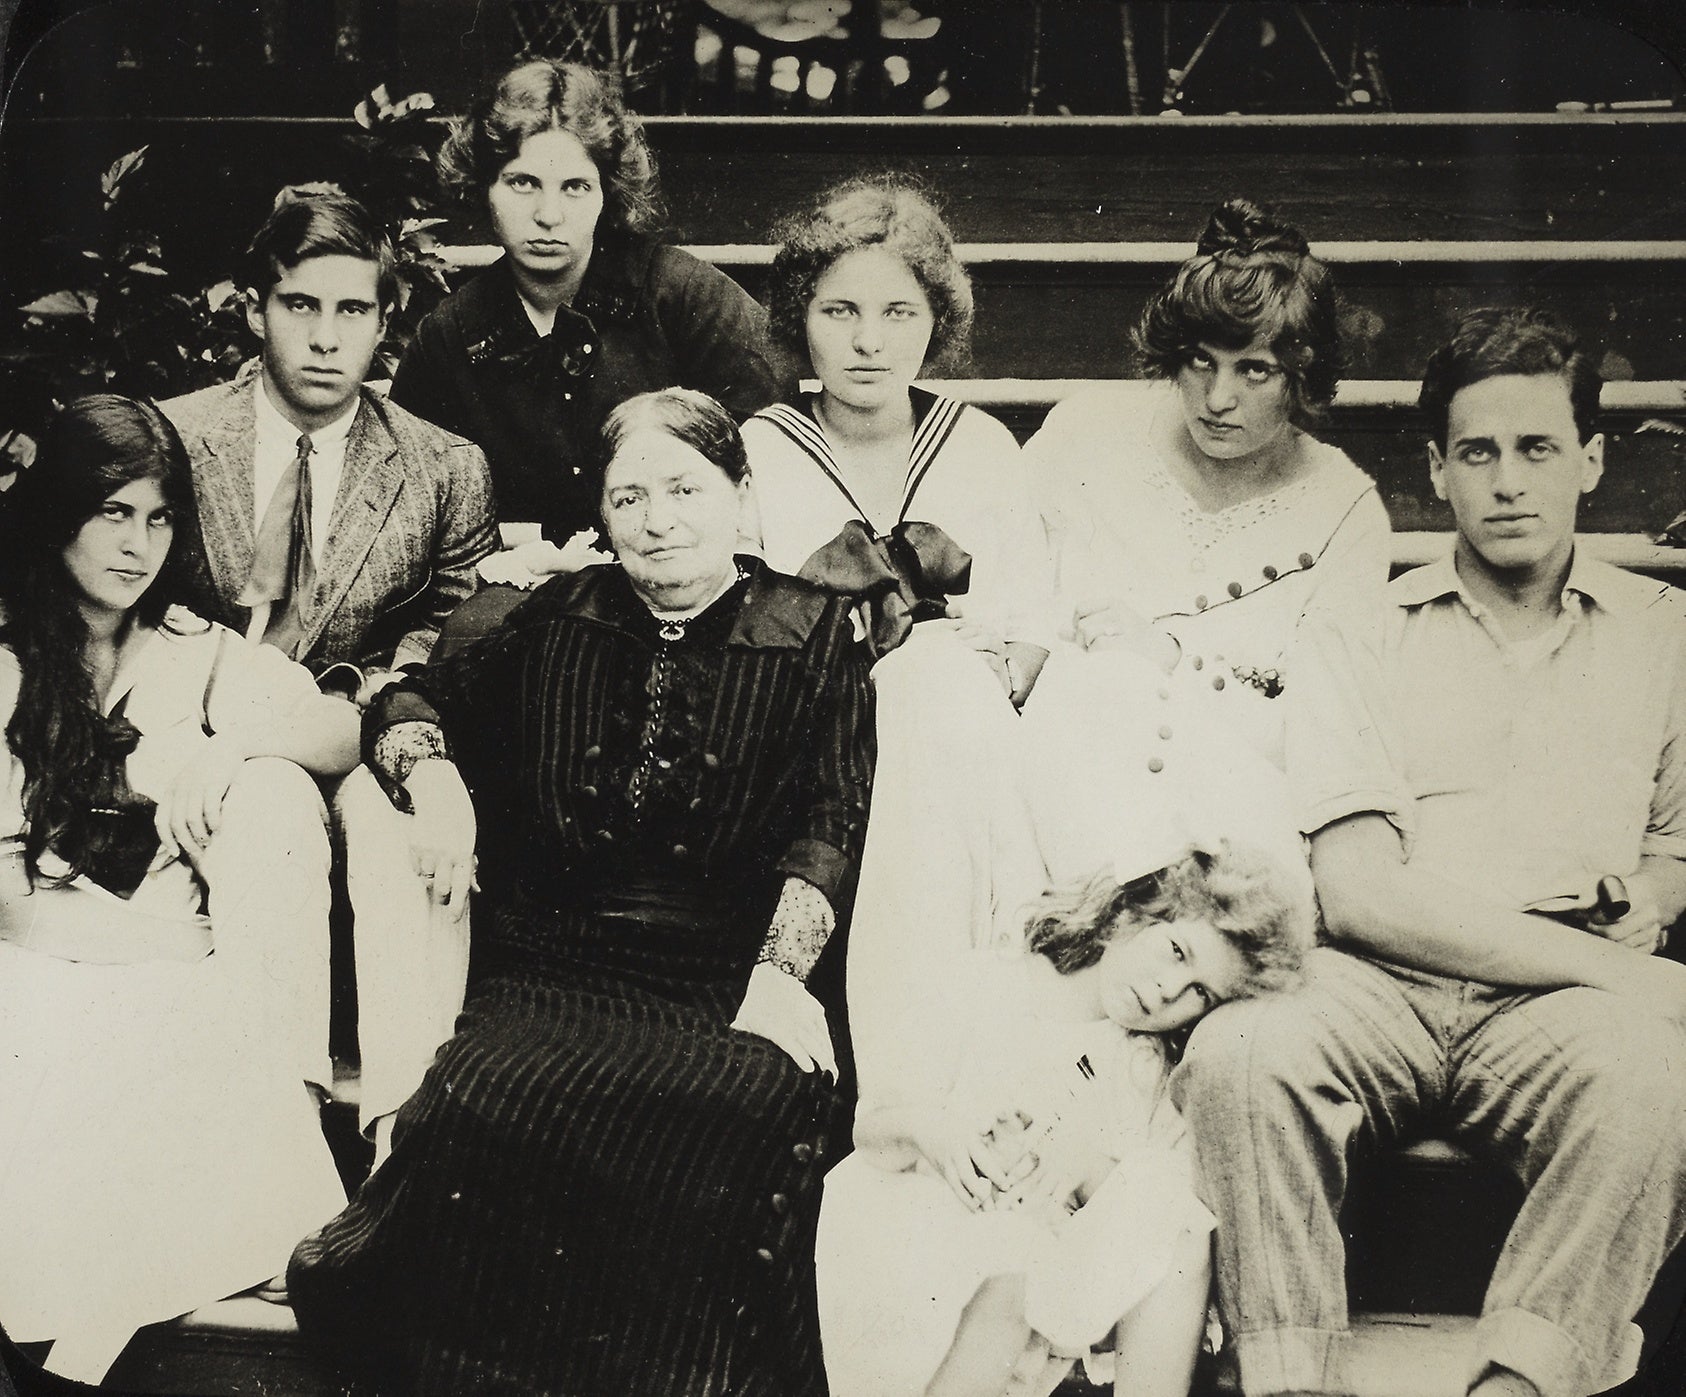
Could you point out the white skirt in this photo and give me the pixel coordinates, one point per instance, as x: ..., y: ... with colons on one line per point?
x: 899, y: 1256
x: 159, y: 1149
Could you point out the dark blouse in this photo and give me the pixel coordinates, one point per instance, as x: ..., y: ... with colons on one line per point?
x: 604, y: 759
x: 646, y: 316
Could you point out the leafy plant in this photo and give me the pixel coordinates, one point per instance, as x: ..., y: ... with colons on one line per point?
x: 397, y: 181
x: 121, y: 321
x: 122, y: 324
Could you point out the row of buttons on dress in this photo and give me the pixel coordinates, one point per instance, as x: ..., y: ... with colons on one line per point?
x: 592, y: 791
x: 1236, y: 589
x: 779, y: 1204
x: 1156, y: 763
x: 585, y: 348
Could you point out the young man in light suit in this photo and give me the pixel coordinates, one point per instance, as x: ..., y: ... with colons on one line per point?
x: 344, y: 530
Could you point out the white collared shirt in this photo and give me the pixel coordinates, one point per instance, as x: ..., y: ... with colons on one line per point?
x: 274, y: 452
x: 1525, y: 770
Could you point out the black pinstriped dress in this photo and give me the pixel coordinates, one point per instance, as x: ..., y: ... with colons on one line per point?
x: 600, y: 1188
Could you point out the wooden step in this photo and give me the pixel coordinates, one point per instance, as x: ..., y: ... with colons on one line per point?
x: 1396, y: 178
x: 241, y: 1347
x: 1376, y: 423
x: 1065, y: 309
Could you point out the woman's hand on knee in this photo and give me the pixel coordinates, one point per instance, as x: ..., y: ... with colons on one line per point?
x: 777, y: 1006
x: 1101, y: 625
x: 442, y: 833
x: 191, y: 810
x: 989, y: 643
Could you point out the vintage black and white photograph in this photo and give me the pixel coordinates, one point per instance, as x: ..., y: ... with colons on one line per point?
x: 888, y: 698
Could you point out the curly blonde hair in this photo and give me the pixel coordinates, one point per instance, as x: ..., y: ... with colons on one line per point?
x: 1252, y: 899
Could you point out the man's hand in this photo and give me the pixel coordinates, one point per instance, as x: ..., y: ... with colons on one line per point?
x: 1642, y: 929
x: 373, y: 682
x: 442, y: 833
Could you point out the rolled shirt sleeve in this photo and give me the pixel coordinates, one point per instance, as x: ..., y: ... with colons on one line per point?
x: 1341, y: 738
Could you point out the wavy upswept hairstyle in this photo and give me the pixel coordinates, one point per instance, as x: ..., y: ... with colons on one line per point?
x: 1252, y: 278
x: 93, y: 448
x: 545, y: 95
x: 1249, y: 897
x: 886, y: 212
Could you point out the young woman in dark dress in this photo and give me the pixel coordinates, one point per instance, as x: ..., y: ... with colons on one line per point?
x: 609, y: 1180
x: 585, y: 308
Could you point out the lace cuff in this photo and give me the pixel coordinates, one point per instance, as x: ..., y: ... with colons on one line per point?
x: 802, y: 924
x: 400, y: 747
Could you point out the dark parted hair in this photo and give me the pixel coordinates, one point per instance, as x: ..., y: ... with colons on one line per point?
x: 94, y: 447
x: 303, y: 226
x: 1245, y: 894
x: 1508, y: 340
x: 884, y: 211
x: 1252, y: 278
x: 685, y: 415
x: 542, y: 94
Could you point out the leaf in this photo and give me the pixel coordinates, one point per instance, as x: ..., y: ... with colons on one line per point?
x: 118, y: 171
x: 62, y: 305
x: 1667, y: 428
x: 293, y: 193
x: 147, y: 269
x: 374, y: 108
x: 17, y: 451
x: 217, y: 297
x: 416, y: 225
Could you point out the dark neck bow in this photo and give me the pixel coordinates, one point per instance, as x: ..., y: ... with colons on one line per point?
x: 899, y: 578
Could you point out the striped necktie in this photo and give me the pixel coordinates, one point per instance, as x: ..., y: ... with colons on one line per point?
x: 283, y: 570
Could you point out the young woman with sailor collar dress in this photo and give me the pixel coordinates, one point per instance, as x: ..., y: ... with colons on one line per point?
x: 867, y: 291
x: 584, y: 309
x: 1196, y: 520
x: 163, y: 908
x: 921, y: 508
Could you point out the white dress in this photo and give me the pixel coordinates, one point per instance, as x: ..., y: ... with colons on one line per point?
x: 1231, y: 585
x: 899, y: 1256
x: 964, y: 474
x: 160, y: 1148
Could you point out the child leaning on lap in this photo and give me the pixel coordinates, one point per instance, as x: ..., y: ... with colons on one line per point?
x: 1027, y: 1198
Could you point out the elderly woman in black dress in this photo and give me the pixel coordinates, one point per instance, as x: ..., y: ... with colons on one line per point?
x: 586, y: 307
x: 609, y: 1179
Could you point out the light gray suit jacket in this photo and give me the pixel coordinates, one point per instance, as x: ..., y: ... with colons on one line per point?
x: 412, y: 518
